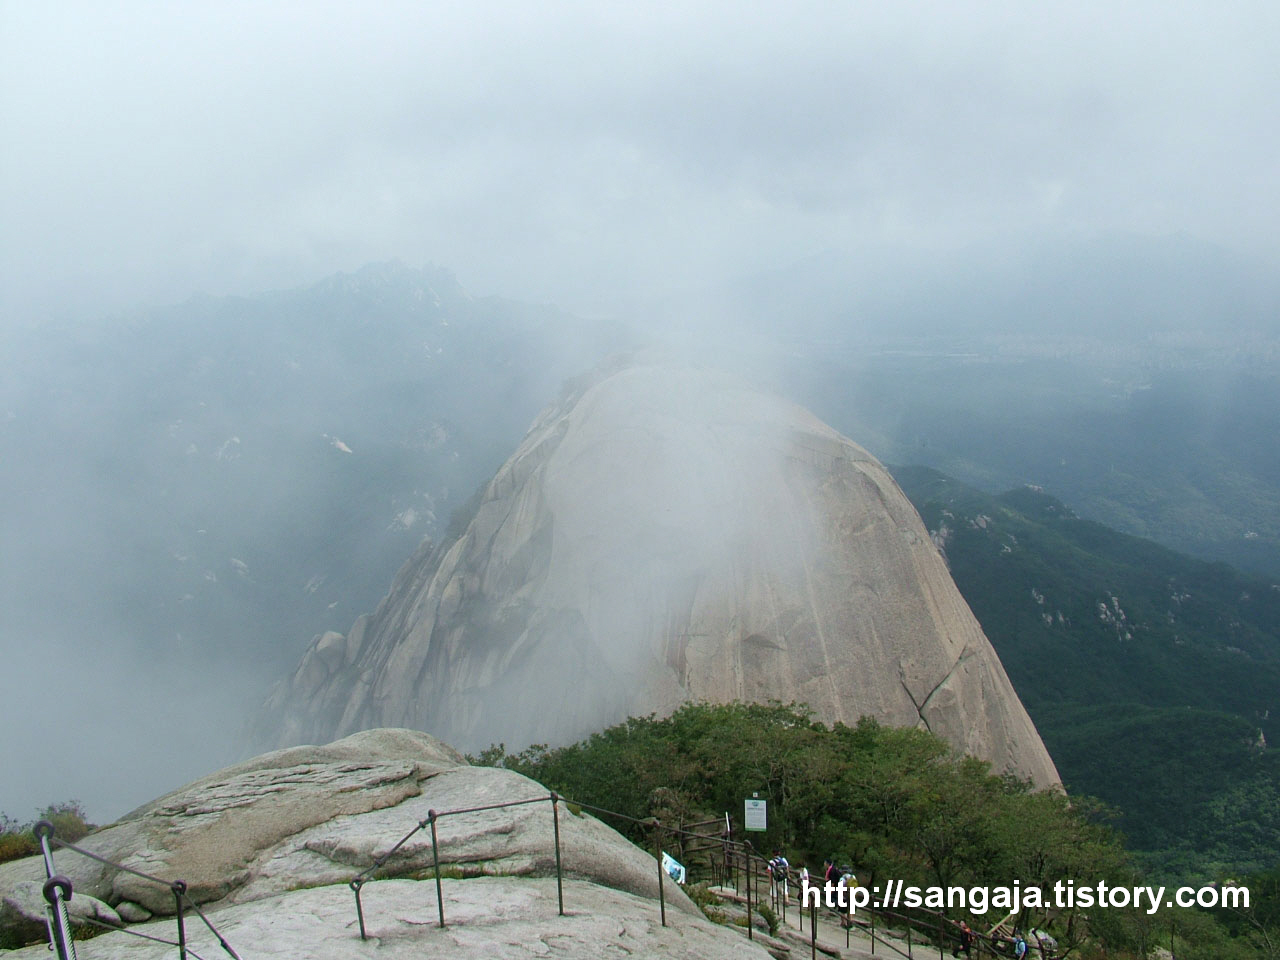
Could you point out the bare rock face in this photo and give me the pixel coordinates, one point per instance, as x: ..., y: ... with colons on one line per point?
x: 488, y: 919
x: 269, y: 848
x: 665, y: 534
x: 212, y: 832
x: 313, y: 816
x: 22, y: 913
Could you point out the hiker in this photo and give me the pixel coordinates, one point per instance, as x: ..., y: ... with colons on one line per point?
x: 830, y: 875
x: 966, y: 941
x: 844, y: 885
x: 1019, y: 945
x: 778, y: 868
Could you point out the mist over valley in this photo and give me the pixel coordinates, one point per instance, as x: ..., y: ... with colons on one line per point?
x: 223, y: 480
x: 512, y: 374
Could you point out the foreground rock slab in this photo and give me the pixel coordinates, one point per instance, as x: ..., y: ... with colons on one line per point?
x: 22, y: 912
x: 490, y: 917
x: 312, y: 817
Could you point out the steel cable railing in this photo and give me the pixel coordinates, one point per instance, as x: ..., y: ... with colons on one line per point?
x: 737, y: 858
x: 58, y: 890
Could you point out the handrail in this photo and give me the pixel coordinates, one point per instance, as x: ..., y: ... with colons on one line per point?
x: 58, y: 890
x: 735, y: 854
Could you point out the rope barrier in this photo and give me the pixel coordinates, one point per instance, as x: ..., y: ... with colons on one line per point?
x: 379, y: 862
x: 119, y: 928
x: 212, y: 929
x: 110, y: 863
x: 612, y: 813
x: 58, y: 889
x: 932, y: 923
x: 59, y: 925
x: 494, y: 806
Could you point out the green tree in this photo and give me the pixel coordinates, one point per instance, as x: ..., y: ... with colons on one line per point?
x: 70, y: 823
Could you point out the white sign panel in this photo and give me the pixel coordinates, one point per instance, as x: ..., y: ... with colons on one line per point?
x: 755, y: 817
x: 674, y: 868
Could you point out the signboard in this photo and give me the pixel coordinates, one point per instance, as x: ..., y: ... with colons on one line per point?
x: 673, y: 868
x: 755, y: 816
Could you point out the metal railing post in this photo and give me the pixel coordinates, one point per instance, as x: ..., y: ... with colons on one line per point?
x: 940, y: 936
x: 728, y: 853
x: 555, y: 820
x: 435, y: 860
x: 813, y: 931
x: 355, y: 886
x: 657, y: 843
x: 57, y: 891
x: 179, y: 889
x: 755, y: 880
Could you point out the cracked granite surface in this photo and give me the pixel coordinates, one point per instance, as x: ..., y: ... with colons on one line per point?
x: 295, y: 821
x: 667, y: 534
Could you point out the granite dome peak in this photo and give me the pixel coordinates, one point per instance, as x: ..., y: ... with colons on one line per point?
x: 667, y: 533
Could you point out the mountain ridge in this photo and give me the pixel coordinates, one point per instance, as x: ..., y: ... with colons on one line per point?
x: 1151, y: 675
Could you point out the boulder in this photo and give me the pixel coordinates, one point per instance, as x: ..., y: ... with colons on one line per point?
x: 311, y: 818
x: 211, y: 832
x: 132, y: 912
x: 22, y: 913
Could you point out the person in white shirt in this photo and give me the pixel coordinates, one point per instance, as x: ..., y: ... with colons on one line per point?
x: 779, y: 870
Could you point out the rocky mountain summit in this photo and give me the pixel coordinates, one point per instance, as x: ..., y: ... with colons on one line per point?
x: 666, y: 533
x: 268, y: 848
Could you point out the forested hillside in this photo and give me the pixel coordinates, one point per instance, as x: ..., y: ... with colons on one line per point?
x: 1153, y: 678
x: 891, y: 803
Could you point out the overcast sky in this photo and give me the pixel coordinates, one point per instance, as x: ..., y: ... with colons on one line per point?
x: 589, y: 154
x: 585, y: 152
